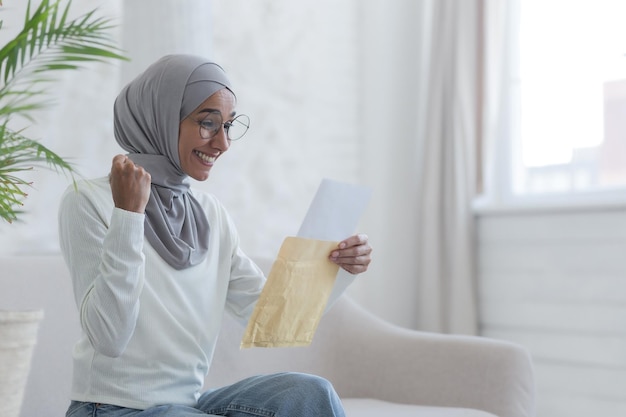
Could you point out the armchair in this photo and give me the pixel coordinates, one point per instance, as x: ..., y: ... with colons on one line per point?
x: 381, y: 369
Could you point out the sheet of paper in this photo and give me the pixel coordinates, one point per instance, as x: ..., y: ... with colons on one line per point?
x: 294, y: 296
x: 335, y: 211
x: 334, y: 214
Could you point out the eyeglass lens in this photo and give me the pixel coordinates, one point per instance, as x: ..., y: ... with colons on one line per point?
x: 235, y: 128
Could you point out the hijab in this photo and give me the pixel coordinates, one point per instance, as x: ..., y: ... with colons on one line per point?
x: 147, y: 116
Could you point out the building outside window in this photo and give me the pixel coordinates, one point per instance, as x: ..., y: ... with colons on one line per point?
x: 569, y: 98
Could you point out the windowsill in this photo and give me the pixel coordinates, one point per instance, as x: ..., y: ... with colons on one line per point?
x: 592, y: 201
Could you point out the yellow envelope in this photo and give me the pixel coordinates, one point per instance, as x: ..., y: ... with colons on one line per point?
x: 295, y: 295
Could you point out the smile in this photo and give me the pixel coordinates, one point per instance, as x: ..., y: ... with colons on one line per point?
x: 206, y: 158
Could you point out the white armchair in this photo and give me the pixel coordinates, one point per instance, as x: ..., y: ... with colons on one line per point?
x: 383, y: 370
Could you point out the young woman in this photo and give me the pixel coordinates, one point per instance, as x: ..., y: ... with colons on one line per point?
x: 155, y: 264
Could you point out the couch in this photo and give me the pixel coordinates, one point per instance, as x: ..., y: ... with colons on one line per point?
x: 377, y: 368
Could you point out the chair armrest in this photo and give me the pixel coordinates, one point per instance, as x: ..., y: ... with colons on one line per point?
x: 375, y: 359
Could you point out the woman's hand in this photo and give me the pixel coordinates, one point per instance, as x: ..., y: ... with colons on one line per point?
x: 353, y: 254
x: 130, y: 184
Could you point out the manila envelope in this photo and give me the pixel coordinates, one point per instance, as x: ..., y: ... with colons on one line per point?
x: 294, y: 297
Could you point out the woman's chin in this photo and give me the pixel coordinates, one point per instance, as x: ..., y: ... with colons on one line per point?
x: 199, y: 175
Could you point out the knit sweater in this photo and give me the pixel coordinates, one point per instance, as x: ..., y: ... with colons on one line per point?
x: 148, y: 330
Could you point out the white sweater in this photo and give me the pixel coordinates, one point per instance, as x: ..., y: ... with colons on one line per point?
x: 149, y: 330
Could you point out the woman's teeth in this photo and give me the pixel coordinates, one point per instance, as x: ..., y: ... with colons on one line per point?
x: 205, y: 157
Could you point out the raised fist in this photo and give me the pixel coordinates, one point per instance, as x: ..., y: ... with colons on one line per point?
x: 130, y: 184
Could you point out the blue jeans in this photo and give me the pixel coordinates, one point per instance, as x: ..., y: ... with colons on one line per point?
x: 277, y: 395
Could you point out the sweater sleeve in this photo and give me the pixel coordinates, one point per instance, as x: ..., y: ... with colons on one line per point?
x: 106, y: 264
x: 245, y: 278
x: 245, y: 286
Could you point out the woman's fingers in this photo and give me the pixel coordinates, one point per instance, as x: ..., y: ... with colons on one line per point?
x: 353, y: 254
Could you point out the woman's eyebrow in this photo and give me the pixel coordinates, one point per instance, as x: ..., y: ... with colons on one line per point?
x: 232, y: 114
x: 209, y: 111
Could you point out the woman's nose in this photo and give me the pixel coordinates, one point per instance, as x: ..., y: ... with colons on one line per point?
x: 220, y: 140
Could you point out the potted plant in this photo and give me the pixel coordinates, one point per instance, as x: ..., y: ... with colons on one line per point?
x: 49, y: 42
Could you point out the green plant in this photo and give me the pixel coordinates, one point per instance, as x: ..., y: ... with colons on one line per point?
x: 48, y: 43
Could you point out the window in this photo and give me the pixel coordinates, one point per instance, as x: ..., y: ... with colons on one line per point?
x: 570, y: 84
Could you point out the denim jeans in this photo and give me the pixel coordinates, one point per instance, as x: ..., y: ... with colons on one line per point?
x: 277, y: 395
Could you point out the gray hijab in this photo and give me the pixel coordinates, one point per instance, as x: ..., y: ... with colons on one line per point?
x: 147, y: 115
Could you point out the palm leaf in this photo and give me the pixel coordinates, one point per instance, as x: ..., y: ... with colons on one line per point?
x: 48, y: 43
x: 18, y: 154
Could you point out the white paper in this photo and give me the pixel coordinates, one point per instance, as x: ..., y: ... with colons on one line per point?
x: 335, y: 211
x: 334, y: 214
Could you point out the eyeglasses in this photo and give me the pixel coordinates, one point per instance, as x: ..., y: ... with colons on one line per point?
x: 235, y: 129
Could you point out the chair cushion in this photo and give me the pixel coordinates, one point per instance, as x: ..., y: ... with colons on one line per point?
x: 367, y: 407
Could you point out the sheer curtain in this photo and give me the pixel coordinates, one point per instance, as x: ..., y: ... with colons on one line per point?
x: 423, y: 71
x: 501, y: 98
x: 449, y: 163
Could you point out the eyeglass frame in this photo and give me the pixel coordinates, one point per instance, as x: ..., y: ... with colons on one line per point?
x: 226, y: 125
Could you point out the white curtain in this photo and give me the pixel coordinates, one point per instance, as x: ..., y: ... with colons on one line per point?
x: 421, y: 116
x: 447, y: 161
x: 501, y: 97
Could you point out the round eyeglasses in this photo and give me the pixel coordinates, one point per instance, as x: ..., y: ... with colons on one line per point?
x: 235, y: 129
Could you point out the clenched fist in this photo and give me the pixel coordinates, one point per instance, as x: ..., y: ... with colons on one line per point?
x: 130, y: 184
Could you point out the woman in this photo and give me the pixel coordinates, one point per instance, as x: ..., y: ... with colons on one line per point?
x: 154, y: 264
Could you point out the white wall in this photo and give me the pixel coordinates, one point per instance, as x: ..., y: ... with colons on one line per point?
x: 554, y: 281
x: 294, y: 68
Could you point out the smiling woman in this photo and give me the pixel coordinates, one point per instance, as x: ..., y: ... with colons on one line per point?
x: 144, y: 249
